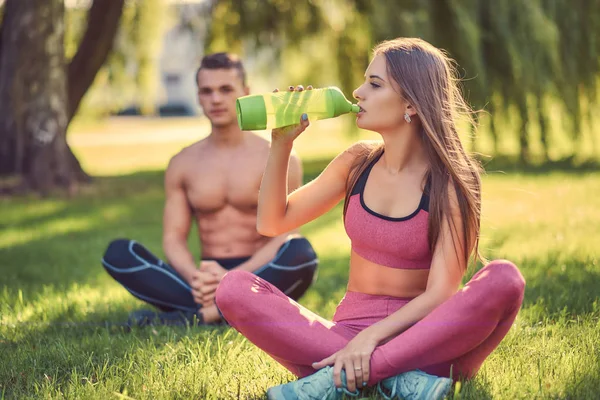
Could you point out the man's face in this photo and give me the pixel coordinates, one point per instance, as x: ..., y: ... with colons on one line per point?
x: 217, y: 91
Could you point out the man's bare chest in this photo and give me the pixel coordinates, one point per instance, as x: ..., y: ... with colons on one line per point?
x: 211, y: 188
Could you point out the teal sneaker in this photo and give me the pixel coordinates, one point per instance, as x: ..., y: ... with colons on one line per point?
x: 318, y: 386
x: 414, y: 385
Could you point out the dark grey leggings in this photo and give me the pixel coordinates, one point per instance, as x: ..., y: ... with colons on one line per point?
x: 148, y: 278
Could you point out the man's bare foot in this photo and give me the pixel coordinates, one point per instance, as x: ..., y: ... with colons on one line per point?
x: 210, y: 314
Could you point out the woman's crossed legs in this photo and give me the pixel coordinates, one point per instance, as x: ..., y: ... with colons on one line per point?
x: 459, y: 334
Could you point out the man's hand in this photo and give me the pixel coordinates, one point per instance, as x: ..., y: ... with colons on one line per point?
x: 214, y: 268
x: 205, y: 281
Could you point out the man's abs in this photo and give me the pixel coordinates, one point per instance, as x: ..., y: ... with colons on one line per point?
x: 229, y: 232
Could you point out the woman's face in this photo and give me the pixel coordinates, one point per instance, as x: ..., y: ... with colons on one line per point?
x: 382, y: 107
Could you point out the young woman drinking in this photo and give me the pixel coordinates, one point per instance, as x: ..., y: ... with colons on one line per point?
x: 412, y: 206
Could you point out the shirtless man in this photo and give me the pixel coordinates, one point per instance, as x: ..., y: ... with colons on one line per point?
x: 215, y: 182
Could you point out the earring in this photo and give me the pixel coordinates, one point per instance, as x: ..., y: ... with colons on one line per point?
x: 407, y: 118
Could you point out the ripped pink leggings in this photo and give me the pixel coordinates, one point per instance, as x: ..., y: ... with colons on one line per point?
x: 457, y: 336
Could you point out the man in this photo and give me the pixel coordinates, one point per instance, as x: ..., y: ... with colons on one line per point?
x: 214, y: 182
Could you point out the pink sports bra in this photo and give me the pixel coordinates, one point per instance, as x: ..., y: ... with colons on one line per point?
x: 393, y: 242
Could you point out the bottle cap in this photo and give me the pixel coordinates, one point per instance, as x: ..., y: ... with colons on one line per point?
x: 354, y: 108
x: 251, y: 112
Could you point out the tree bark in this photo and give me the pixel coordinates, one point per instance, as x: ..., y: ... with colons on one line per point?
x: 33, y: 92
x: 97, y: 41
x: 40, y: 94
x: 523, y: 131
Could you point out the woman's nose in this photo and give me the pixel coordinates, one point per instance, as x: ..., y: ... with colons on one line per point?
x: 356, y: 93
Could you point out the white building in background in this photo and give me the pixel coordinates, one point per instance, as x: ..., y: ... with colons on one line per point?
x: 180, y: 57
x: 178, y: 61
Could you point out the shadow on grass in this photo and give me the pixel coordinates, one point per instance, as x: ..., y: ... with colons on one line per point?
x: 586, y: 386
x: 102, y: 192
x: 559, y: 287
x: 132, y: 209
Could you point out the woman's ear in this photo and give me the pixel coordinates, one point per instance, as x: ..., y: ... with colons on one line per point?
x: 410, y: 110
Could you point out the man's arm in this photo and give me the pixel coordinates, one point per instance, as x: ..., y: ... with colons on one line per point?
x: 177, y: 221
x: 268, y: 251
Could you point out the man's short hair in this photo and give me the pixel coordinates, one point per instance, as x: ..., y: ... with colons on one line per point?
x: 223, y: 61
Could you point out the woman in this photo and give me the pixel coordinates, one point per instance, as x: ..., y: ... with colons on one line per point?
x: 412, y: 212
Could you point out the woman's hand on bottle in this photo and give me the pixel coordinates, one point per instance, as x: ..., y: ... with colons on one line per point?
x: 287, y: 134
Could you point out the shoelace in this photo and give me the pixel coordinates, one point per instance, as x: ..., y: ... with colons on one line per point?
x: 407, y: 388
x: 351, y: 394
x: 385, y: 396
x: 345, y: 390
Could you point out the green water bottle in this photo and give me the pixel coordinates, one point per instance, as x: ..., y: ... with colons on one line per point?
x: 274, y: 110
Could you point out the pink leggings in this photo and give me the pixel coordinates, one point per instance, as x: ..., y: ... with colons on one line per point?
x: 458, y: 334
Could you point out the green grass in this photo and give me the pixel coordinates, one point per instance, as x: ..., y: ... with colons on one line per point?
x: 55, y: 297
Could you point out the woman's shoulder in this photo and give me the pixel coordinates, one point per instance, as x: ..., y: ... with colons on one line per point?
x: 365, y: 146
x: 361, y: 149
x: 348, y: 158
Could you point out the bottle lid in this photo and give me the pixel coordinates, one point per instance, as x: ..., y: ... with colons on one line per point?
x: 354, y: 108
x: 251, y: 112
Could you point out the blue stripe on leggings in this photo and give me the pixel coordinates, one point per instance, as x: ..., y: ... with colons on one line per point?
x: 143, y: 267
x: 145, y: 264
x: 273, y: 263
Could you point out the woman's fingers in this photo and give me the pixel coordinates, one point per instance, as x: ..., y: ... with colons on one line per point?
x: 358, y: 372
x: 337, y: 373
x: 350, y: 371
x: 324, y: 362
x: 275, y: 90
x: 351, y: 379
x: 366, y: 370
x: 298, y: 88
x: 304, y: 122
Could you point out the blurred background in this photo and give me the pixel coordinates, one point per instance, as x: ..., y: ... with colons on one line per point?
x: 78, y: 67
x: 97, y: 95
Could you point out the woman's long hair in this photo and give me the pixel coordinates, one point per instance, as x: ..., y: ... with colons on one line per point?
x: 428, y: 81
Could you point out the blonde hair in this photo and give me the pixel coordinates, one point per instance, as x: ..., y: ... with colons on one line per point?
x: 428, y: 81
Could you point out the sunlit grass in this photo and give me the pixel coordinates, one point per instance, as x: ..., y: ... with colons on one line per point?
x: 59, y: 310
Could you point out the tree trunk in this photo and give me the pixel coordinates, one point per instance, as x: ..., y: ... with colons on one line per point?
x: 543, y: 122
x: 102, y: 26
x: 523, y: 131
x: 33, y: 93
x: 103, y: 22
x: 39, y: 95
